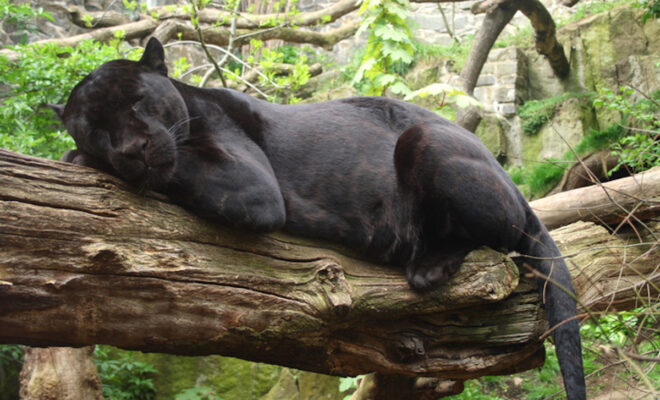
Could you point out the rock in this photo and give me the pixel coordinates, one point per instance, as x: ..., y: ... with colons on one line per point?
x: 571, y: 120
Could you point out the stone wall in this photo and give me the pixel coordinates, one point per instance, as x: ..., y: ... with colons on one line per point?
x: 606, y: 50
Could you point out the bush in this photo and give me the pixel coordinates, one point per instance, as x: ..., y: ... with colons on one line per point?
x: 123, y: 377
x: 639, y: 145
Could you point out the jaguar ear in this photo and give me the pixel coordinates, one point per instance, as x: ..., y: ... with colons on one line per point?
x: 154, y: 56
x: 58, y: 108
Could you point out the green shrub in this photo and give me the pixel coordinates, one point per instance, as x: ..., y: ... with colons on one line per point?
x: 124, y: 378
x: 639, y: 146
x: 11, y: 361
x: 22, y: 17
x: 389, y: 51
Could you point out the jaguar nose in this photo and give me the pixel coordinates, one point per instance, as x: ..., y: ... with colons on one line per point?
x: 135, y: 148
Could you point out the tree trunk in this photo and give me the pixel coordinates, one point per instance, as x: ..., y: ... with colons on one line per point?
x: 84, y: 260
x: 60, y: 373
x: 544, y: 35
x: 490, y: 29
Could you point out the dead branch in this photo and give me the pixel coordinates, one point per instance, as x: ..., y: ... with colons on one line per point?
x: 131, y: 30
x: 260, y: 21
x: 640, y: 193
x: 172, y: 29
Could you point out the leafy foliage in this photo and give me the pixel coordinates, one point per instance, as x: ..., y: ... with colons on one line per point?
x: 124, y: 378
x: 349, y: 384
x: 651, y: 8
x: 545, y: 176
x: 598, y: 139
x: 45, y: 74
x: 284, y: 84
x: 22, y: 16
x: 389, y: 49
x: 537, y: 180
x: 635, y: 140
x: 585, y: 9
x: 11, y: 360
x: 639, y: 148
x: 197, y: 393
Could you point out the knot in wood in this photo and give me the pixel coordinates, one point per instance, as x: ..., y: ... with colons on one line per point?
x: 330, y: 273
x: 335, y: 289
x: 408, y: 348
x: 104, y: 257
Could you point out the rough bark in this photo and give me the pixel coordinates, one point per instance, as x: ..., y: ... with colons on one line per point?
x: 544, y: 29
x: 60, y: 373
x: 609, y: 203
x: 95, y: 263
x: 544, y: 35
x: 84, y: 260
x: 611, y: 272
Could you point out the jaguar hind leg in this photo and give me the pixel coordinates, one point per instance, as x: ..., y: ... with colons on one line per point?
x: 436, y: 267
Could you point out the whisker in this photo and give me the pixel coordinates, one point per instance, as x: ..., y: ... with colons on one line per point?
x: 173, y: 130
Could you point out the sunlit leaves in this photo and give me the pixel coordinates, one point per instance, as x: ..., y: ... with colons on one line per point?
x: 389, y: 46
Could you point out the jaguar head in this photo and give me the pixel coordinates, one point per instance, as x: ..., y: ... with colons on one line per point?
x: 128, y: 116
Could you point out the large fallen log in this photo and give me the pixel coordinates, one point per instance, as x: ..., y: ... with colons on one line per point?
x: 85, y: 260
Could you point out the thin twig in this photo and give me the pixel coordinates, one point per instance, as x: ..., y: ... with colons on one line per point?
x: 224, y: 51
x: 195, y: 17
x: 449, y: 29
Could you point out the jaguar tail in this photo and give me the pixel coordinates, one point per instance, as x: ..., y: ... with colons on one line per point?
x: 554, y: 281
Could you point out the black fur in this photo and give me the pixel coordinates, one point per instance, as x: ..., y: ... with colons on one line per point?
x: 383, y: 176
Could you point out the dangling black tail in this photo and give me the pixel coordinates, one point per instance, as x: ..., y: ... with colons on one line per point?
x: 557, y: 294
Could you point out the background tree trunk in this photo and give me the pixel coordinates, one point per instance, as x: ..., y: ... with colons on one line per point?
x: 60, y: 373
x: 490, y: 29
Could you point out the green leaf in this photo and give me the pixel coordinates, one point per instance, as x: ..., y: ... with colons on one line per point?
x: 464, y: 101
x: 389, y: 32
x: 398, y: 54
x: 366, y: 66
x: 400, y: 88
x: 386, y: 79
x: 433, y: 89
